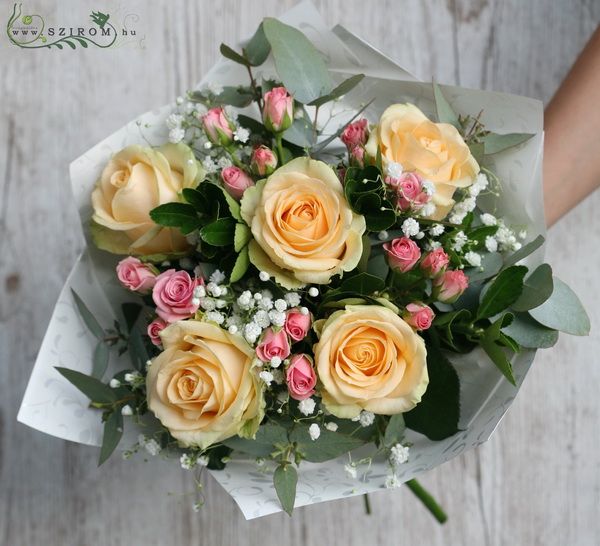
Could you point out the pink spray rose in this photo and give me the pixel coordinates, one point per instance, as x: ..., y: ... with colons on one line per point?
x: 448, y: 287
x: 409, y: 188
x: 296, y: 324
x: 419, y: 316
x: 264, y: 161
x: 435, y: 262
x: 300, y: 377
x: 236, y: 181
x: 135, y: 275
x: 217, y: 126
x: 357, y: 156
x: 402, y: 254
x: 278, y: 112
x: 173, y: 294
x: 273, y: 344
x: 356, y: 134
x: 154, y: 330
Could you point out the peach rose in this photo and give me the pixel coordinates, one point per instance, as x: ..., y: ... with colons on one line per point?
x: 135, y: 181
x: 202, y: 387
x: 304, y: 230
x: 368, y: 358
x: 436, y: 151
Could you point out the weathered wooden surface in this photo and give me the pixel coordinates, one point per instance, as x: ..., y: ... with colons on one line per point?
x: 536, y: 482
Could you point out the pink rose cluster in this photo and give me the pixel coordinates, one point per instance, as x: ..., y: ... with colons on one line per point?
x: 410, y: 192
x: 275, y: 346
x: 355, y: 136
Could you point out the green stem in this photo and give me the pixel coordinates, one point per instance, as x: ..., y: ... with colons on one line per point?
x: 279, y: 144
x: 430, y: 503
x: 367, y: 504
x: 234, y: 159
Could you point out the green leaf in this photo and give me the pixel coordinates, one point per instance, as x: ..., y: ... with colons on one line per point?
x: 100, y: 360
x: 131, y: 312
x: 491, y: 263
x: 215, y: 457
x: 524, y: 251
x: 241, y: 236
x: 258, y: 48
x: 563, y: 311
x: 263, y: 444
x: 394, y: 432
x: 113, y: 431
x: 445, y: 112
x: 342, y: 89
x: 494, y: 143
x: 494, y: 351
x: 94, y: 389
x: 233, y: 55
x: 239, y: 96
x: 537, y: 288
x: 234, y: 206
x: 437, y: 414
x: 477, y: 150
x: 219, y: 233
x: 503, y: 292
x: 241, y: 265
x: 179, y: 215
x: 529, y: 333
x: 87, y: 317
x: 285, y: 480
x: 363, y: 283
x: 299, y: 64
x: 328, y: 446
x: 195, y: 198
x: 137, y: 349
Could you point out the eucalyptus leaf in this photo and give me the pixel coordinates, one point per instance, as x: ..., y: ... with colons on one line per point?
x: 445, y: 112
x: 285, y: 480
x: 503, y: 292
x: 240, y: 266
x: 529, y: 333
x: 524, y: 251
x: 342, y: 89
x: 258, y: 48
x: 491, y: 263
x: 563, y: 311
x: 94, y: 389
x: 113, y: 431
x: 494, y: 143
x: 88, y: 318
x: 233, y: 55
x: 131, y: 312
x: 137, y: 349
x: 328, y: 446
x: 394, y: 431
x: 263, y: 443
x: 537, y: 288
x: 239, y: 96
x: 100, y: 359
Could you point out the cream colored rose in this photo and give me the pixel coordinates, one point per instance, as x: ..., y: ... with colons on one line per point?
x: 435, y: 150
x: 304, y: 230
x: 202, y: 386
x: 368, y: 358
x: 135, y: 181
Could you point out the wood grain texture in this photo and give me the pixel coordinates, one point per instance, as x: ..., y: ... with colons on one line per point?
x: 537, y: 482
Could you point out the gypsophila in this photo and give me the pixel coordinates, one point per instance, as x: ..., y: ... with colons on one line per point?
x: 263, y: 276
x: 277, y: 317
x: 399, y: 454
x: 428, y: 210
x: 313, y: 291
x: 488, y: 219
x: 331, y: 426
x: 392, y: 482
x: 394, y: 169
x: 275, y: 362
x: 187, y: 462
x: 410, y: 227
x: 280, y: 305
x: 209, y: 165
x: 307, y: 406
x: 251, y: 332
x: 215, y: 316
x: 365, y: 418
x: 292, y: 299
x: 491, y: 244
x: 241, y: 134
x: 267, y: 377
x: 126, y: 410
x: 460, y: 240
x: 115, y: 383
x: 350, y: 470
x: 152, y: 447
x: 436, y: 230
x: 314, y: 431
x: 176, y: 135
x: 473, y: 259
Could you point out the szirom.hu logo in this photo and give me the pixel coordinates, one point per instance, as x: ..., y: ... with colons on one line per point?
x: 29, y: 31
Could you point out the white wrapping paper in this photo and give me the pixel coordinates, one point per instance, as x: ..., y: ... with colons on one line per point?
x: 54, y: 406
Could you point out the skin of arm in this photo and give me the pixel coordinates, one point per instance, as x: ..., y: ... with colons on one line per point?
x: 572, y: 135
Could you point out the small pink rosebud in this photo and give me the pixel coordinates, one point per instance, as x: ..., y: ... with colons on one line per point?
x: 357, y: 156
x: 435, y: 262
x: 449, y: 286
x: 264, y: 161
x: 419, y: 316
x: 278, y: 112
x: 273, y: 344
x: 300, y: 377
x: 173, y: 295
x: 409, y: 188
x: 296, y: 324
x: 154, y: 330
x: 355, y: 134
x: 236, y: 181
x: 135, y: 275
x: 402, y: 254
x: 217, y: 126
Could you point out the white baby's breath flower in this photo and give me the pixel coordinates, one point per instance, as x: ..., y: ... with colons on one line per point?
x: 267, y: 377
x: 383, y: 235
x: 292, y: 299
x: 350, y: 470
x: 304, y: 310
x: 275, y: 362
x: 410, y: 227
x: 176, y: 135
x: 428, y: 187
x: 280, y: 305
x: 215, y: 316
x: 202, y: 460
x: 215, y: 88
x: 261, y: 317
x: 491, y: 244
x: 152, y: 447
x: 241, y: 134
x: 392, y: 481
x: 330, y: 425
x: 307, y: 406
x: 174, y: 121
x: 428, y: 210
x: 399, y: 454
x: 187, y: 462
x: 224, y: 162
x: 251, y: 332
x: 233, y: 329
x: 457, y: 217
x: 366, y: 418
x: 209, y: 165
x: 313, y: 291
x: 488, y: 219
x: 473, y: 259
x: 394, y: 169
x: 277, y: 318
x: 460, y: 240
x: 217, y: 276
x: 208, y: 304
x: 115, y: 383
x: 126, y: 410
x: 314, y: 431
x: 436, y: 230
x: 263, y: 276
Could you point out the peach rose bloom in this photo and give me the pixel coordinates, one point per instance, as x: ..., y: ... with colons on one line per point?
x: 436, y: 151
x: 304, y: 230
x: 135, y: 181
x: 368, y: 358
x: 202, y: 387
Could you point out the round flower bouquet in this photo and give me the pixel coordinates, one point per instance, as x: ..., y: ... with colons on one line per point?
x: 314, y: 271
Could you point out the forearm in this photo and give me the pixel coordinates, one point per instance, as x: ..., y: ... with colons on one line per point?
x: 572, y: 135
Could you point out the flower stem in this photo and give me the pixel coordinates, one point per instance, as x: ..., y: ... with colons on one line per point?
x: 279, y: 144
x: 367, y: 504
x: 430, y: 503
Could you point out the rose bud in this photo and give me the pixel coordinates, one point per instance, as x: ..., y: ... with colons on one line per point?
x: 236, y: 181
x: 435, y: 262
x: 357, y: 156
x: 273, y: 344
x: 296, y: 324
x: 135, y: 275
x: 449, y: 286
x: 154, y: 330
x: 264, y: 161
x: 173, y: 295
x: 402, y: 254
x: 300, y: 377
x: 278, y: 112
x: 355, y: 134
x: 410, y: 191
x: 217, y: 126
x: 419, y: 316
